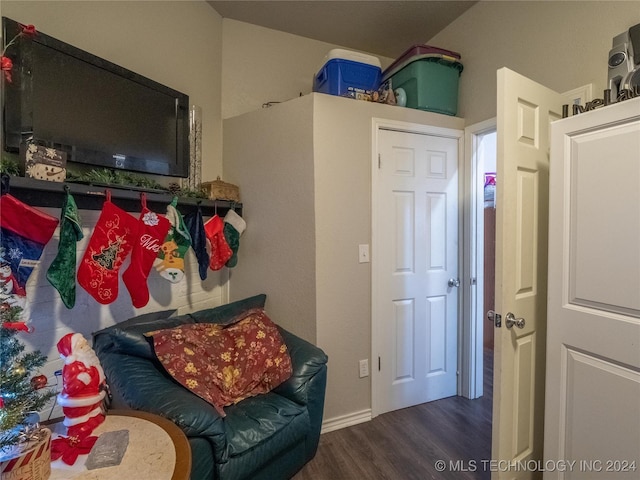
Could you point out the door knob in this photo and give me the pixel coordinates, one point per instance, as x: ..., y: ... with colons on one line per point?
x: 511, y: 320
x: 453, y: 282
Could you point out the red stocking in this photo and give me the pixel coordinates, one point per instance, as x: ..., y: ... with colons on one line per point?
x: 220, y: 250
x: 152, y: 230
x: 108, y: 247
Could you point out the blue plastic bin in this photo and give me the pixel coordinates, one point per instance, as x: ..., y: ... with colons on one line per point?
x: 347, y: 78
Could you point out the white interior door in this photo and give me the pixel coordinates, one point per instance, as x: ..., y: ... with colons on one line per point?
x: 415, y: 257
x: 593, y: 351
x: 524, y: 111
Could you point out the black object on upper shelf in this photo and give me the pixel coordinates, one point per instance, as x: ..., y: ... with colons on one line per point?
x: 40, y: 193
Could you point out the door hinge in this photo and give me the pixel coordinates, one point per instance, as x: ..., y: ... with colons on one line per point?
x: 378, y: 363
x: 379, y: 161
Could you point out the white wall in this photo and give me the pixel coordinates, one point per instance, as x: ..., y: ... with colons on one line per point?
x: 274, y: 166
x: 343, y: 168
x: 307, y: 169
x: 560, y: 44
x: 176, y: 43
x: 261, y: 65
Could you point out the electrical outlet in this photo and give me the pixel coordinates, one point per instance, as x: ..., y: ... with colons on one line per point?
x: 363, y: 253
x: 364, y: 368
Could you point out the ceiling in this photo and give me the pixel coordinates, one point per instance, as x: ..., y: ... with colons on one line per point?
x: 385, y: 28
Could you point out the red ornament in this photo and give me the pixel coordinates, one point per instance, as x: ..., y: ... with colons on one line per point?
x: 21, y: 326
x: 28, y: 30
x: 38, y: 382
x: 6, y: 65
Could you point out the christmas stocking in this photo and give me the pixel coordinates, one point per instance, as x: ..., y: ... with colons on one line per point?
x: 195, y: 225
x: 109, y: 246
x: 234, y: 227
x: 170, y: 261
x: 151, y: 232
x: 62, y: 271
x: 220, y: 251
x: 24, y: 231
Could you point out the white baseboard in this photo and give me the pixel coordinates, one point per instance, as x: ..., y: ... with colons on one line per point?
x: 347, y: 420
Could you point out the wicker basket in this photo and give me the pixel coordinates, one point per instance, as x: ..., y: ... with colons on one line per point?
x: 32, y: 463
x: 219, y: 190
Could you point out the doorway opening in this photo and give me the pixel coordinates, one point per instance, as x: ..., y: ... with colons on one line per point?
x: 479, y: 255
x: 487, y: 175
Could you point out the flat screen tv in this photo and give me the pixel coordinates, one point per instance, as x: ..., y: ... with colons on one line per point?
x: 98, y: 112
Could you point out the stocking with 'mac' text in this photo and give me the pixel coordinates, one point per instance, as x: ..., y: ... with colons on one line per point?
x: 150, y: 234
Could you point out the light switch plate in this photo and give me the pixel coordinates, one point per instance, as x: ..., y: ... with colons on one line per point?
x: 364, y: 368
x: 363, y: 253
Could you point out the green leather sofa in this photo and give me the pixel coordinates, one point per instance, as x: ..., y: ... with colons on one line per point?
x: 270, y: 436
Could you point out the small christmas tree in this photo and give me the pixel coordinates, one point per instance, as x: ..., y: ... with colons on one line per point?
x: 20, y: 392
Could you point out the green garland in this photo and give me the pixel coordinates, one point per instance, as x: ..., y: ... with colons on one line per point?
x: 9, y: 166
x: 116, y: 177
x: 106, y: 176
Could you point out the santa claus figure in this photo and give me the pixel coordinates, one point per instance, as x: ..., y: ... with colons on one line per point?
x: 84, y: 386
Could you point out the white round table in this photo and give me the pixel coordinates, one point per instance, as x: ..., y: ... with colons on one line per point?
x: 157, y: 449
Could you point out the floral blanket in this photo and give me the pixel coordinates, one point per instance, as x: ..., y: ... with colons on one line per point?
x: 225, y: 364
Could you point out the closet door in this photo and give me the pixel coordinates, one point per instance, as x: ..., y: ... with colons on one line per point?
x: 593, y: 352
x: 415, y: 297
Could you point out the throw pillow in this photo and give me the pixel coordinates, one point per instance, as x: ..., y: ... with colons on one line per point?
x: 225, y: 364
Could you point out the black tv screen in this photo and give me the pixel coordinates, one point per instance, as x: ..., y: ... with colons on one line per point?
x: 98, y: 112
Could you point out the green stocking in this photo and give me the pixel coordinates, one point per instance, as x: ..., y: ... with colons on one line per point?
x: 62, y: 272
x: 234, y: 227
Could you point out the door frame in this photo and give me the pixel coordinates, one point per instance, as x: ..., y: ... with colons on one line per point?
x: 378, y: 124
x: 472, y: 361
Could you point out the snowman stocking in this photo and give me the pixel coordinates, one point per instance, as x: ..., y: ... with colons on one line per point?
x: 24, y: 231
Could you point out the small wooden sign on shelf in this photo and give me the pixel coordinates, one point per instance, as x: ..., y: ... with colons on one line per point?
x: 45, y: 163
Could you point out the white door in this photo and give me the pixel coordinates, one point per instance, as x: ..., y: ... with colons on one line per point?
x: 593, y: 350
x: 524, y: 111
x: 415, y: 269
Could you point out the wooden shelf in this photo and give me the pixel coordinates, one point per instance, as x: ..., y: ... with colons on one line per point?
x: 40, y: 193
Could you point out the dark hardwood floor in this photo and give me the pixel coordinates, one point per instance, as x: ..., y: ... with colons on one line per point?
x: 406, y: 444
